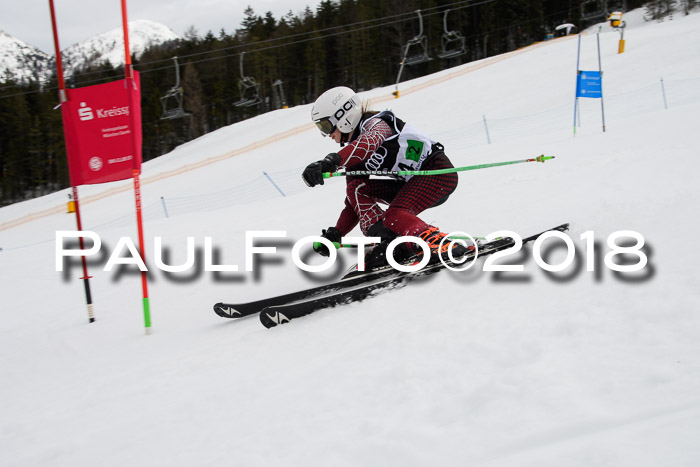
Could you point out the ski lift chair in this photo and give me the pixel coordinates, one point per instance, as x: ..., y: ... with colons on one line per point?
x: 250, y: 92
x: 420, y: 42
x: 248, y: 88
x: 421, y: 57
x: 172, y: 100
x: 453, y: 43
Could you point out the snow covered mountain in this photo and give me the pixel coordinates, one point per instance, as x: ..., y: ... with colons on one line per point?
x: 20, y: 61
x: 109, y: 46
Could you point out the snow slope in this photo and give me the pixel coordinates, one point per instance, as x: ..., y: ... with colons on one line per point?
x: 518, y: 369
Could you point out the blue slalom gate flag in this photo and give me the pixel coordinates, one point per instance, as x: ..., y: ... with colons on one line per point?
x: 589, y: 84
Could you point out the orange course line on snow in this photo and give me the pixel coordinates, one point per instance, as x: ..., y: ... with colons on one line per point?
x: 161, y: 176
x: 262, y: 143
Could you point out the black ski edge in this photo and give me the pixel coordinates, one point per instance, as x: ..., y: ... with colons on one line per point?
x: 240, y: 310
x: 281, y: 314
x: 275, y: 315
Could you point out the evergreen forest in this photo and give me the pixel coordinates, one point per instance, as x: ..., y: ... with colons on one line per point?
x: 266, y: 63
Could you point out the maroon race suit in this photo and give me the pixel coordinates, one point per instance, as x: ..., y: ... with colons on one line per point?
x: 382, y: 141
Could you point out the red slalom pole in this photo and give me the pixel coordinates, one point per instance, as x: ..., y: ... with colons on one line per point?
x: 129, y: 77
x: 125, y: 26
x: 144, y: 278
x: 63, y: 97
x: 59, y: 62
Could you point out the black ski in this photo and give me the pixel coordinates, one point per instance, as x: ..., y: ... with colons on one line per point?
x: 281, y: 313
x: 239, y: 310
x: 352, y: 279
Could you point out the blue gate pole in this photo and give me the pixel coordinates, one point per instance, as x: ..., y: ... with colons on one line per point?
x: 274, y: 184
x: 165, y: 208
x: 486, y: 127
x: 663, y: 92
x: 600, y: 69
x: 578, y: 70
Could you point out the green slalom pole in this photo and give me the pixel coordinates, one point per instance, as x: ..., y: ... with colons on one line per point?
x: 350, y: 173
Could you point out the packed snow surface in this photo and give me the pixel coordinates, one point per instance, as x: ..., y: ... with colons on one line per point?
x: 576, y: 368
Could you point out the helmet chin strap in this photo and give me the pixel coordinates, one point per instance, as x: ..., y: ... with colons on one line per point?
x: 344, y: 138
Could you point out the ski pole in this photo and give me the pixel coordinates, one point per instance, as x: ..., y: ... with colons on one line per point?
x: 540, y: 158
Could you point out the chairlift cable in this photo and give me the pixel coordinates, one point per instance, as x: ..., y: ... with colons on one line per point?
x: 463, y: 3
x: 138, y: 65
x: 349, y: 25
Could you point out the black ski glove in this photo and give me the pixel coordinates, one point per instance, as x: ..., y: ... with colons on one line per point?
x: 332, y: 234
x: 313, y: 173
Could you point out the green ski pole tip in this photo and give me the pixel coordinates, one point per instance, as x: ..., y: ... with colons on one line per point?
x: 317, y: 245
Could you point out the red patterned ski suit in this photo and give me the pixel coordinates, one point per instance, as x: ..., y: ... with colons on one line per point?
x: 405, y: 199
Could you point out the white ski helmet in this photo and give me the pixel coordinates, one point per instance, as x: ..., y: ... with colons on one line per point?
x: 338, y: 107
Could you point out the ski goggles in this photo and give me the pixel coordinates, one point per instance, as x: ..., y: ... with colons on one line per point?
x: 325, y: 125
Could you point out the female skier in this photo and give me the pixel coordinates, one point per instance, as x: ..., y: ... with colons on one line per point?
x: 376, y: 141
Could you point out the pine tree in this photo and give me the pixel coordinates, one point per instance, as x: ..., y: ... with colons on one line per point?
x: 689, y: 5
x: 196, y: 122
x: 306, y: 60
x: 15, y: 121
x: 657, y: 10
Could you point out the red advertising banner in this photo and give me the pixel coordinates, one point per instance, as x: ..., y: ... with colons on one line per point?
x: 102, y: 127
